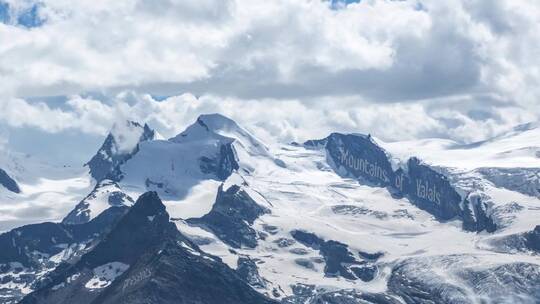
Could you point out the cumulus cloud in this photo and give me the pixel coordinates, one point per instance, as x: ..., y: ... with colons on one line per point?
x: 282, y: 120
x: 459, y: 69
x: 86, y: 115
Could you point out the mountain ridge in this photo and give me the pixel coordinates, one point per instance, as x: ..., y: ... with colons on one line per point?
x: 319, y: 222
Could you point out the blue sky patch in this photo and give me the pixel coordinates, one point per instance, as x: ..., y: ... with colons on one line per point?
x: 337, y: 4
x: 28, y: 17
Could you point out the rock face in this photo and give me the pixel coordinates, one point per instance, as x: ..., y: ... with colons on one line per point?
x: 533, y: 239
x: 431, y: 190
x: 105, y: 195
x: 118, y: 147
x: 145, y: 259
x: 21, y: 244
x: 208, y: 128
x: 315, y: 143
x: 340, y: 262
x: 222, y: 165
x: 248, y: 271
x: 39, y: 248
x: 8, y: 182
x: 231, y: 217
x: 360, y: 157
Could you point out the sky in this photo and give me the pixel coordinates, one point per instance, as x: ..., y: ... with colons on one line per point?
x: 288, y: 70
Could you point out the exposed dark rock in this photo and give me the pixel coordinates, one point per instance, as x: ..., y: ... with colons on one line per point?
x: 8, y: 182
x: 315, y: 143
x: 519, y: 242
x: 115, y: 197
x: 298, y: 251
x: 51, y: 238
x: 306, y: 263
x: 337, y: 256
x: 248, y: 271
x: 533, y: 239
x: 231, y: 217
x: 31, y: 246
x: 284, y: 242
x: 360, y: 157
x: 475, y: 215
x: 108, y: 159
x: 164, y: 266
x: 270, y: 229
x: 308, y: 239
x: 370, y: 256
x: 340, y: 262
x: 223, y: 164
x: 431, y: 191
x: 365, y: 271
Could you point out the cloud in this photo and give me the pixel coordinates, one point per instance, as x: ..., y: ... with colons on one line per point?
x: 458, y: 69
x: 86, y: 115
x: 462, y: 118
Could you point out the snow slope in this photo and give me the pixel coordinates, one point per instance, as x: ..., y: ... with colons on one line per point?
x: 518, y: 148
x: 48, y: 191
x: 362, y: 235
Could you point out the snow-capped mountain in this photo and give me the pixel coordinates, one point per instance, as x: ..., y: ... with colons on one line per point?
x: 106, y: 194
x: 119, y: 146
x: 224, y: 218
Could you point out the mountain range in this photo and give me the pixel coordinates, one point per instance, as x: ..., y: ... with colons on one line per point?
x: 216, y: 215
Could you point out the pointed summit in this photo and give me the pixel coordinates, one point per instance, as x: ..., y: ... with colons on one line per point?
x: 119, y: 146
x: 145, y: 259
x: 217, y: 126
x: 105, y: 195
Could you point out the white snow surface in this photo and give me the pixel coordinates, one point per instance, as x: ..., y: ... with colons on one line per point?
x: 105, y: 274
x: 48, y: 191
x: 519, y: 148
x: 100, y: 199
x: 302, y: 192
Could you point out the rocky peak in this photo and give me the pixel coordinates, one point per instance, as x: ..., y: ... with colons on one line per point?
x: 119, y: 146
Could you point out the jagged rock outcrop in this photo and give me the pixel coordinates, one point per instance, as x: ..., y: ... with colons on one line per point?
x: 29, y: 251
x: 340, y: 262
x: 231, y: 217
x: 119, y: 146
x: 8, y: 182
x: 247, y: 269
x: 533, y: 239
x: 222, y: 165
x: 360, y: 157
x: 145, y: 259
x: 208, y: 128
x: 106, y: 194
